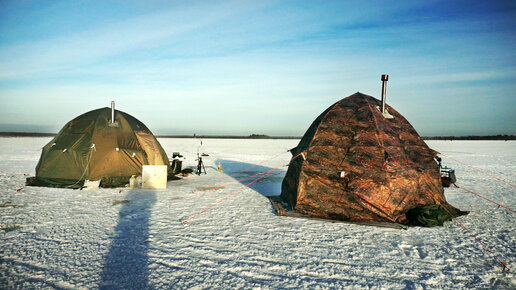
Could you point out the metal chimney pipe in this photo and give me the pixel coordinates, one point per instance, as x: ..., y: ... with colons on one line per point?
x: 385, y: 78
x: 112, y: 112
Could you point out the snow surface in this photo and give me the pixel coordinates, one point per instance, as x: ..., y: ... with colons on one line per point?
x: 135, y: 238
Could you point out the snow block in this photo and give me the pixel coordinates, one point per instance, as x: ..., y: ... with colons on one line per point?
x: 154, y: 176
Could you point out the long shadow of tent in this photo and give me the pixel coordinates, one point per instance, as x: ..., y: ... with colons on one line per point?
x: 126, y: 262
x: 270, y: 185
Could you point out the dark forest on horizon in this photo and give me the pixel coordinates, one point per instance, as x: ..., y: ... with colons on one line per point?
x: 261, y: 136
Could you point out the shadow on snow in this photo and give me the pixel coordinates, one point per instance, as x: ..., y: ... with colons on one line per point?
x: 269, y: 185
x: 126, y: 262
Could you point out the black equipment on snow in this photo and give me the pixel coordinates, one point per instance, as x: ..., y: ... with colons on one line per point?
x: 200, y: 165
x: 447, y: 174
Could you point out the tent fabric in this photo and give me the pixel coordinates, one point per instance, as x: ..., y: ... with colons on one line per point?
x: 151, y: 148
x: 90, y: 147
x: 361, y: 166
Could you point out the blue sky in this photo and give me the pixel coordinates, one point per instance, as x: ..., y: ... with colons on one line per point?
x: 264, y: 67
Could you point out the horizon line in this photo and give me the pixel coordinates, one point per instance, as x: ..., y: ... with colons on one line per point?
x: 264, y: 136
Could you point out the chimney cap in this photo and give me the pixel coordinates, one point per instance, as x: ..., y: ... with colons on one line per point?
x: 385, y: 78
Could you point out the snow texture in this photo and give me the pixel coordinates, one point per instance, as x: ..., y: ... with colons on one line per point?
x: 135, y: 238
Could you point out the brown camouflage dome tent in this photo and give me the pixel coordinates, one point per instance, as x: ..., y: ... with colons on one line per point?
x: 363, y: 167
x: 91, y: 147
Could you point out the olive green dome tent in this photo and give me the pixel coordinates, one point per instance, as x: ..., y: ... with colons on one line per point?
x: 94, y: 147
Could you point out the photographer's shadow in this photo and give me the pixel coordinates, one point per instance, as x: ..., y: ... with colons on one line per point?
x: 126, y: 263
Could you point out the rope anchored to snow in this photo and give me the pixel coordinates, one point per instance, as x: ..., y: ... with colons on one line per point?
x: 263, y: 174
x: 477, y: 194
x: 481, y: 171
x: 469, y: 231
x: 214, y: 186
x: 273, y: 157
x: 477, y: 239
x: 502, y: 262
x: 206, y: 189
x: 483, y: 197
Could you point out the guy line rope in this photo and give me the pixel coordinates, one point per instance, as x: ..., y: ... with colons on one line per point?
x: 486, y: 248
x: 480, y: 170
x: 263, y: 174
x: 213, y: 187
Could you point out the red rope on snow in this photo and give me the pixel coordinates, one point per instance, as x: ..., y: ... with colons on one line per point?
x: 483, y: 197
x: 257, y: 164
x: 503, y: 263
x: 201, y: 191
x: 226, y: 184
x: 480, y: 170
x: 235, y: 192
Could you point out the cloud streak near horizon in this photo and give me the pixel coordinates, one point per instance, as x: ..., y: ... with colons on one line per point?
x: 258, y: 66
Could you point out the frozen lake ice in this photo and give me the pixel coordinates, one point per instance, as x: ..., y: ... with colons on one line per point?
x: 134, y: 238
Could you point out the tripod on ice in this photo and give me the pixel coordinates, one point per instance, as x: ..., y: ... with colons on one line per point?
x: 200, y: 165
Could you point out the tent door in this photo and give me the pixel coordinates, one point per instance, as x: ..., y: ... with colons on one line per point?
x: 150, y: 146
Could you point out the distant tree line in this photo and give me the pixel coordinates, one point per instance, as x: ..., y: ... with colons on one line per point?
x: 492, y: 137
x: 261, y: 136
x: 252, y: 136
x: 26, y: 134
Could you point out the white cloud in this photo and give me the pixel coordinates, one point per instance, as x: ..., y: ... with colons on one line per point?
x: 145, y: 31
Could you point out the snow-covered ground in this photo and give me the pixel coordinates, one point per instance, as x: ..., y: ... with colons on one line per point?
x: 62, y: 238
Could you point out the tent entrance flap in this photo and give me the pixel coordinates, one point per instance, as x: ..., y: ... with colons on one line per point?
x: 149, y: 145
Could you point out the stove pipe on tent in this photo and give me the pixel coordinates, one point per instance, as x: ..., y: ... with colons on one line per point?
x: 385, y: 78
x: 364, y: 162
x: 112, y: 112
